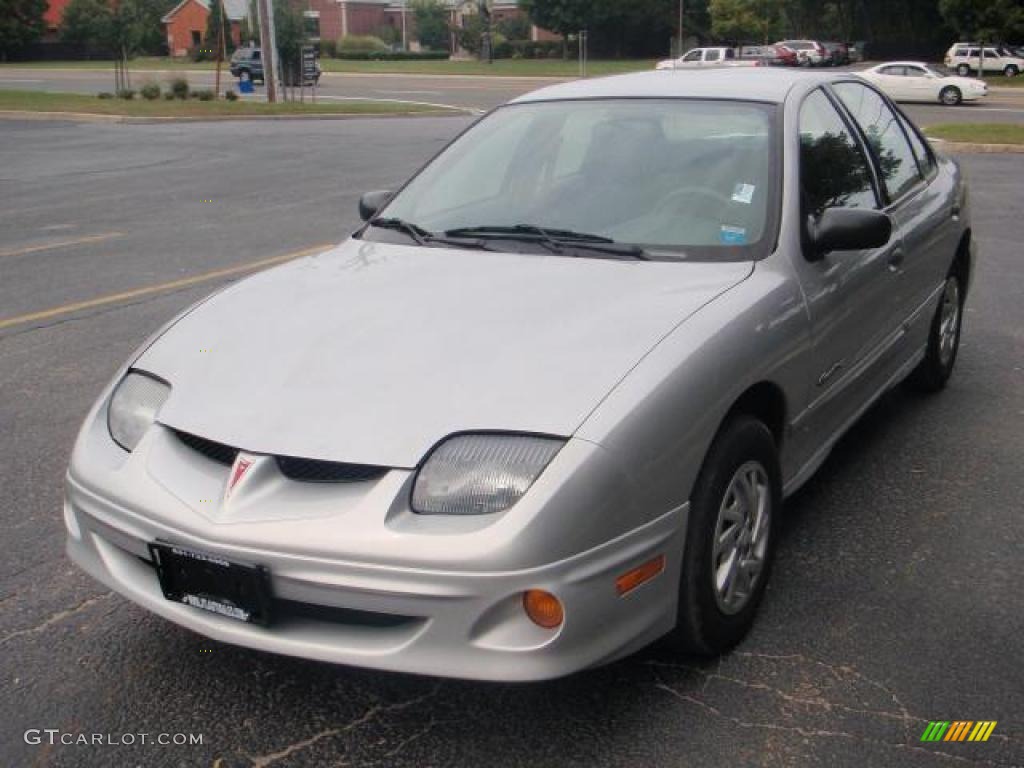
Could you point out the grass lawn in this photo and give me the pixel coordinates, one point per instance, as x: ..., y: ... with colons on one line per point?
x: 38, y: 101
x: 1008, y: 82
x: 978, y: 133
x: 502, y: 67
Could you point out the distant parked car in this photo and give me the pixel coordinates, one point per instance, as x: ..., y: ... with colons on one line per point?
x: 769, y: 55
x: 856, y: 52
x: 963, y: 57
x: 916, y: 81
x: 699, y: 58
x: 836, y: 54
x: 247, y: 62
x: 810, y: 52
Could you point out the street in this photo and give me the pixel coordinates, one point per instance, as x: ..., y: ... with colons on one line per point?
x: 468, y: 92
x: 895, y: 598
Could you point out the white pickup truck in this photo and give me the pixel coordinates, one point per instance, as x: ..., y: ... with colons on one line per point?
x: 698, y: 58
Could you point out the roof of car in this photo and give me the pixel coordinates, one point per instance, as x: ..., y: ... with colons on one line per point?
x: 901, y: 64
x: 742, y: 84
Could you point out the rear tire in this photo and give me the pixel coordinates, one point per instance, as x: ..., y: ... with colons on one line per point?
x: 730, y: 541
x: 963, y: 70
x: 1011, y: 71
x: 932, y: 373
x: 950, y: 96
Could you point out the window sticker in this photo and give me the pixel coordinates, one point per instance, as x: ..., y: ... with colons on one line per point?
x: 733, y: 235
x: 744, y: 193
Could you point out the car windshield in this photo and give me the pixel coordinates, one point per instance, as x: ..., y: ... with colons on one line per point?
x: 681, y: 179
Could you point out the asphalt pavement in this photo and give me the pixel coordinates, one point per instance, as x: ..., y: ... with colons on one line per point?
x: 465, y: 92
x: 895, y: 599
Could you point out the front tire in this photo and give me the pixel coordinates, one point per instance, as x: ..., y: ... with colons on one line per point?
x: 730, y: 540
x: 932, y: 373
x: 963, y: 70
x: 951, y: 96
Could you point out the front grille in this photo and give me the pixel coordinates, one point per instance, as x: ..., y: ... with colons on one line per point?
x: 314, y: 471
x: 222, y: 454
x: 301, y: 470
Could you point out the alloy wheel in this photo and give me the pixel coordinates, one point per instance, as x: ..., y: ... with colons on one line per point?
x: 741, y: 537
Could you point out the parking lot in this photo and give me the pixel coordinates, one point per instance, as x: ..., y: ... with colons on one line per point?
x: 895, y: 599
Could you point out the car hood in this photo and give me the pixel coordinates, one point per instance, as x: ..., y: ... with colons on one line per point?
x: 371, y: 353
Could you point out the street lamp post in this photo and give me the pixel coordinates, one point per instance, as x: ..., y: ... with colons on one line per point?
x: 679, y: 43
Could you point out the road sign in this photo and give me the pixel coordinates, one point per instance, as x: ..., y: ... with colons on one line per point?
x: 308, y: 64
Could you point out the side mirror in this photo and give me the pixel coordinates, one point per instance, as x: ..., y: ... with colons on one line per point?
x: 848, y: 229
x: 372, y: 202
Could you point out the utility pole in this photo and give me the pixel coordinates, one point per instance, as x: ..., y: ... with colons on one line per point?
x: 405, y: 26
x: 268, y: 48
x: 222, y: 47
x: 679, y: 43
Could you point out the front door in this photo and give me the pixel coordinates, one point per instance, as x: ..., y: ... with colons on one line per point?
x: 849, y: 294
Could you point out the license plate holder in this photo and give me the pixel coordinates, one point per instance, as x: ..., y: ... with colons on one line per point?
x: 212, y: 583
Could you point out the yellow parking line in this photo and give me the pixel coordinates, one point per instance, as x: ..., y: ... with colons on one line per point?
x: 185, y: 282
x: 61, y: 244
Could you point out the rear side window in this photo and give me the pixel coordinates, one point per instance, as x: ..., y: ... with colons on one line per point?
x: 925, y: 159
x: 834, y: 171
x: 885, y: 136
x: 711, y: 55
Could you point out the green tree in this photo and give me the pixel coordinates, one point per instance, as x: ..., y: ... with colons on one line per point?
x: 87, y: 22
x: 566, y: 17
x: 996, y: 20
x: 21, y: 23
x: 432, y: 29
x: 217, y: 24
x: 744, y: 20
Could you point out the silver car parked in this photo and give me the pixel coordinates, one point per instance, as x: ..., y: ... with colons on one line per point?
x: 545, y: 405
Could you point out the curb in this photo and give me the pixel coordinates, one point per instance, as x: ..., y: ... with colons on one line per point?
x: 88, y: 117
x: 967, y: 148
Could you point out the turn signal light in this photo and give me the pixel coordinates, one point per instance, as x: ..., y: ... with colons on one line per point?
x: 630, y: 580
x: 543, y: 608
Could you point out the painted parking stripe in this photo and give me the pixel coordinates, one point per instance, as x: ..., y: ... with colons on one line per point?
x: 454, y: 107
x: 61, y: 244
x: 173, y: 285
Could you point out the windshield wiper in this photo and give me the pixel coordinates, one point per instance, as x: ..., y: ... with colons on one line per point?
x: 425, y: 237
x: 555, y: 240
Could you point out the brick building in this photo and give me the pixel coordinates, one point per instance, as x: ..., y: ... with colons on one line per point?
x: 333, y: 19
x: 185, y: 23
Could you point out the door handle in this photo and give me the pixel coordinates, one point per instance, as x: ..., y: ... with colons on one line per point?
x: 956, y: 210
x: 896, y: 258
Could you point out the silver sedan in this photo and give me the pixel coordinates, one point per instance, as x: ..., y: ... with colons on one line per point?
x: 545, y: 405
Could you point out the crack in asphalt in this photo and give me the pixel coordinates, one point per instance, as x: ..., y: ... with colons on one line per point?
x: 819, y: 733
x: 56, y: 618
x: 262, y: 761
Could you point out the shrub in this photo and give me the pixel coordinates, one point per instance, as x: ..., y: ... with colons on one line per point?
x: 329, y: 48
x: 150, y: 91
x: 204, y: 94
x: 396, y: 56
x: 202, y: 53
x: 230, y: 95
x: 362, y: 44
x: 179, y: 87
x: 105, y: 95
x: 529, y: 49
x: 169, y: 96
x: 126, y: 93
x: 389, y: 33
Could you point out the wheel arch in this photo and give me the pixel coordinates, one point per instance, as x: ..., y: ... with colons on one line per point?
x: 766, y: 402
x: 961, y: 266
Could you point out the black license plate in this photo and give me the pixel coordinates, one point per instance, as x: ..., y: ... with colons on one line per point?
x: 212, y: 583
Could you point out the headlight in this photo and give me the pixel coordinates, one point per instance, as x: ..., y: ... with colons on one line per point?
x: 480, y: 474
x: 133, y: 408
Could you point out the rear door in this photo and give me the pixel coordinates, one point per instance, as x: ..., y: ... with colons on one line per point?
x: 921, y: 209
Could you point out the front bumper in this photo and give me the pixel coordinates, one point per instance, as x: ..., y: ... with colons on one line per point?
x: 359, y: 579
x: 445, y: 623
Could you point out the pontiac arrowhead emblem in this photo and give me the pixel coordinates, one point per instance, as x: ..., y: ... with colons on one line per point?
x: 243, y: 463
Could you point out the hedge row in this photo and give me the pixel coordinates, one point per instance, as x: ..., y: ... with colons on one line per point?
x: 393, y: 56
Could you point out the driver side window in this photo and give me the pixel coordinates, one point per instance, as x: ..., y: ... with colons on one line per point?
x: 834, y: 171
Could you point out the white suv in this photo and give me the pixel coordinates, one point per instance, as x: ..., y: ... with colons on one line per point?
x: 963, y: 57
